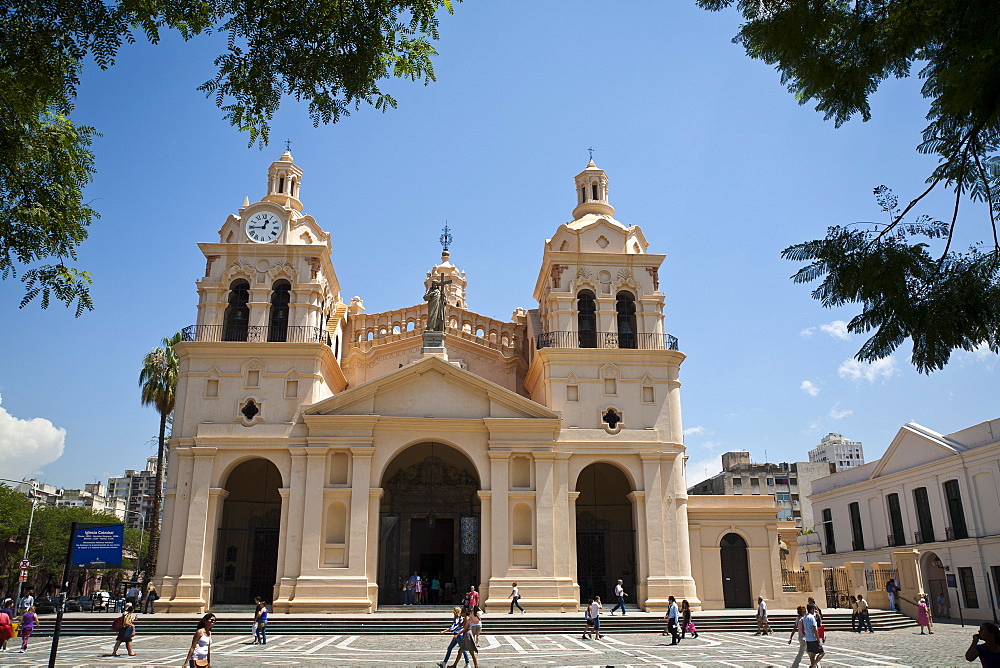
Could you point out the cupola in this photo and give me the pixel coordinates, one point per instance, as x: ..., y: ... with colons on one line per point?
x: 455, y: 290
x: 284, y: 179
x: 592, y: 192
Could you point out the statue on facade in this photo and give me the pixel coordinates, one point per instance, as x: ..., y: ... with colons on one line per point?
x: 435, y: 298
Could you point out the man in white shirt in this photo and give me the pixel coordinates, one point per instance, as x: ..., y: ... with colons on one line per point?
x: 595, y: 614
x: 620, y: 593
x: 26, y: 601
x: 814, y: 646
x: 672, y: 621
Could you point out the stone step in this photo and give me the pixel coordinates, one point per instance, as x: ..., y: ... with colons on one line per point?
x: 496, y: 624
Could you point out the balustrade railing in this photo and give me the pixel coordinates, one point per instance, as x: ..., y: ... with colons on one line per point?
x: 606, y: 340
x: 255, y: 334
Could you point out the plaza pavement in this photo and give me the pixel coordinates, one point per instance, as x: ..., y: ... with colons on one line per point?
x: 904, y: 647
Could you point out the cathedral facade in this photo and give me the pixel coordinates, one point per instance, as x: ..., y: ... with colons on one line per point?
x: 321, y: 454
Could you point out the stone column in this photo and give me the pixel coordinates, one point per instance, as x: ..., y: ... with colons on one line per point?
x: 815, y: 570
x: 216, y: 499
x: 638, y: 500
x: 296, y: 513
x: 191, y: 583
x: 285, y: 589
x: 171, y: 557
x: 545, y: 529
x: 313, y: 506
x: 371, y: 561
x: 485, y: 535
x: 563, y: 538
x: 361, y: 466
x: 499, y: 529
x: 856, y: 577
x: 909, y: 580
x: 571, y: 498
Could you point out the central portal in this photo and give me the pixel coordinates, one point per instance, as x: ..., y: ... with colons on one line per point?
x: 429, y: 524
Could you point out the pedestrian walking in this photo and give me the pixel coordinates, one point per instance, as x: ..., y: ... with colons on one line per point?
x: 200, y: 653
x: 26, y: 601
x: 763, y: 627
x: 942, y: 606
x: 476, y: 625
x: 29, y: 621
x: 456, y: 636
x: 418, y: 590
x: 854, y: 613
x: 799, y: 629
x: 620, y: 593
x: 687, y: 626
x: 924, y: 616
x: 126, y: 631
x: 595, y: 616
x: 818, y: 614
x: 814, y: 644
x: 988, y: 651
x: 588, y: 630
x: 6, y: 628
x: 132, y: 596
x: 259, y: 603
x: 864, y: 615
x: 471, y: 597
x: 260, y: 630
x: 468, y: 643
x: 515, y: 596
x: 673, y: 617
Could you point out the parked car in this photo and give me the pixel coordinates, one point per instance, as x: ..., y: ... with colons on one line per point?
x: 79, y: 604
x: 46, y: 605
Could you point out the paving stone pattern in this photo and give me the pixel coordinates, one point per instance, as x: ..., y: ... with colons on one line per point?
x: 904, y: 647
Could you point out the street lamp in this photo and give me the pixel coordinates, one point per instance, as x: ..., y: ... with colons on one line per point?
x: 142, y: 529
x: 27, y: 540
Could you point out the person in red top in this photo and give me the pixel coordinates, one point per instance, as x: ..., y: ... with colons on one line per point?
x: 472, y: 598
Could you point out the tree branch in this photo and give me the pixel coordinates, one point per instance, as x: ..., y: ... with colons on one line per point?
x: 989, y: 198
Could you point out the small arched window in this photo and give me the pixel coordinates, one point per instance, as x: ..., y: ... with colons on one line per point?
x: 281, y: 294
x: 236, y: 320
x: 583, y: 194
x: 281, y: 184
x: 586, y: 319
x: 594, y: 188
x: 625, y: 308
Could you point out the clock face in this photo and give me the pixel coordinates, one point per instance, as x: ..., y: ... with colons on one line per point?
x: 263, y: 227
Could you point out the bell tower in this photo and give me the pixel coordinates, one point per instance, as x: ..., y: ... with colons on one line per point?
x: 269, y: 329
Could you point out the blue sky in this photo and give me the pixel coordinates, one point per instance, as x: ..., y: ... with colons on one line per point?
x: 705, y: 150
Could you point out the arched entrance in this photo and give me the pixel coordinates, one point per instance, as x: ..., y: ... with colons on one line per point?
x: 935, y: 583
x: 246, y: 547
x: 429, y: 522
x: 735, y: 571
x: 605, y: 535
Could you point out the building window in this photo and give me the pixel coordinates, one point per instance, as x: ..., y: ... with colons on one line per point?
x: 737, y: 485
x: 831, y: 543
x: 783, y: 496
x: 236, y: 320
x: 770, y: 482
x: 857, y: 533
x: 586, y: 319
x: 755, y: 485
x: 281, y: 294
x: 924, y: 521
x: 625, y: 307
x: 956, y: 513
x: 968, y: 583
x: 898, y: 536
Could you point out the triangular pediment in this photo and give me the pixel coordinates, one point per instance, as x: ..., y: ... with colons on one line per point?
x: 431, y: 388
x: 913, y: 446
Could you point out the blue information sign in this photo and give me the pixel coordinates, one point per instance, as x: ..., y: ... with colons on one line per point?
x: 98, y: 546
x: 952, y: 582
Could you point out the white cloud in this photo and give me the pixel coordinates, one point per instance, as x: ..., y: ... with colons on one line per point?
x: 882, y: 369
x: 694, y: 430
x: 27, y: 445
x: 809, y: 388
x: 838, y: 413
x: 807, y: 332
x: 837, y: 329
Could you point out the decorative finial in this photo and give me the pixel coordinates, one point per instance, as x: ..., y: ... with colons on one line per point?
x: 288, y: 144
x: 446, y: 237
x: 591, y: 151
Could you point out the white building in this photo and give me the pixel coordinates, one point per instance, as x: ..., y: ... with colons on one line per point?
x: 929, y: 506
x: 834, y: 448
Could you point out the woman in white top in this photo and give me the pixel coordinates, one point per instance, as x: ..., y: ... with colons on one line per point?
x: 200, y: 654
x: 515, y: 596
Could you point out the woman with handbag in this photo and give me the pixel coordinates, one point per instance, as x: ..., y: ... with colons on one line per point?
x: 200, y: 653
x: 125, y: 631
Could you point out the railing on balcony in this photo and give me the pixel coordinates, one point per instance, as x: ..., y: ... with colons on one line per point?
x: 255, y: 334
x: 606, y: 340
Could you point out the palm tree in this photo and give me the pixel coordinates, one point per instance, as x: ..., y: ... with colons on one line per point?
x: 158, y: 380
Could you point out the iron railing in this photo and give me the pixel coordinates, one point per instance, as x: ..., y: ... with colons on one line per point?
x: 606, y: 340
x: 800, y: 580
x: 255, y: 334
